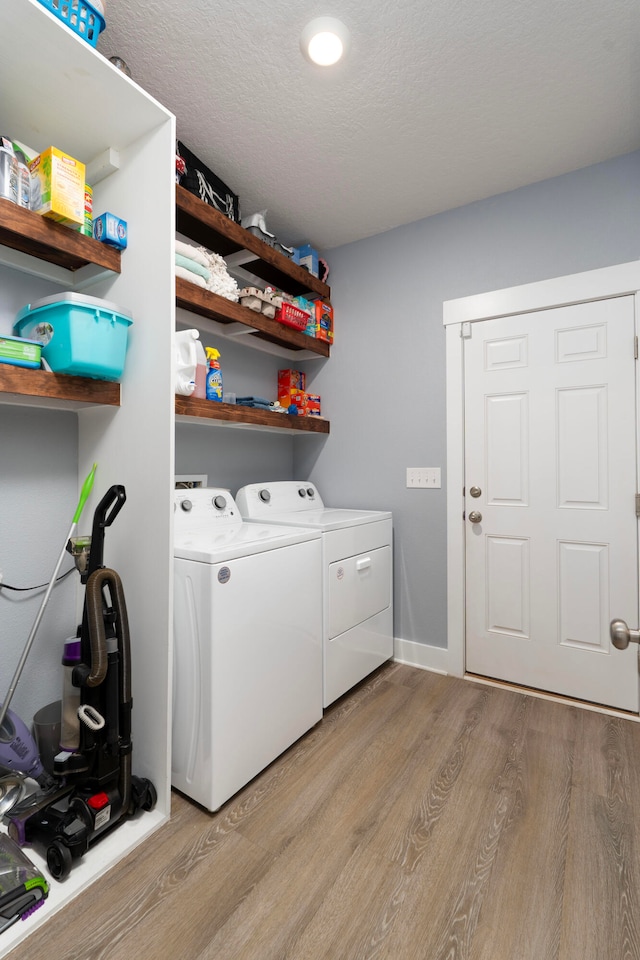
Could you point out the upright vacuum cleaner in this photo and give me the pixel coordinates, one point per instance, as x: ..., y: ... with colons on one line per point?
x: 95, y: 789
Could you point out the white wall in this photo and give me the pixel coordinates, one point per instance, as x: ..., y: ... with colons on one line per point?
x: 384, y: 386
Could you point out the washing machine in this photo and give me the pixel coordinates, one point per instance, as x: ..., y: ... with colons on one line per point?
x: 357, y: 576
x: 247, y: 643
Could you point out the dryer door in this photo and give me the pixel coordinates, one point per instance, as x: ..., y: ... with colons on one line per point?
x: 359, y: 588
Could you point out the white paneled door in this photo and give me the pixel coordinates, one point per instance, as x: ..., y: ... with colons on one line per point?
x: 550, y: 484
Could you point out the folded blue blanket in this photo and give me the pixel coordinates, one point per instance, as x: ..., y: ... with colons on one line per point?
x: 258, y: 402
x: 191, y: 265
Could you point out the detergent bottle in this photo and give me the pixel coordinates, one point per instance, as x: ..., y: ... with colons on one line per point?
x: 200, y: 390
x: 185, y: 361
x: 214, y: 375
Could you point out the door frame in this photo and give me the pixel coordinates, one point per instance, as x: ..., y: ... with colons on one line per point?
x: 604, y: 283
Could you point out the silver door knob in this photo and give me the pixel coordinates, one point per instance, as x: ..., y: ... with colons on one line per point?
x: 475, y: 492
x: 621, y: 635
x: 475, y: 516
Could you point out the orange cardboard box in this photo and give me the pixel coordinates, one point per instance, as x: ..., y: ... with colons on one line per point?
x: 324, y: 321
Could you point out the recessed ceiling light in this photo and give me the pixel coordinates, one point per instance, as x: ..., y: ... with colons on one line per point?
x: 324, y: 41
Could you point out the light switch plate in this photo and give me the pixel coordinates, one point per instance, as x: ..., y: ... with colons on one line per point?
x: 424, y: 478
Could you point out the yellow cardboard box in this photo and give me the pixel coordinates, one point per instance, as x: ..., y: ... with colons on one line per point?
x: 57, y: 186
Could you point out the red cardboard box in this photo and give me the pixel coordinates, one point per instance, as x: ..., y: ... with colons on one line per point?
x: 291, y: 381
x: 300, y: 400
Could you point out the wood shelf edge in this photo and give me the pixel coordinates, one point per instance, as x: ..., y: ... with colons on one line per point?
x: 241, y: 239
x: 208, y: 410
x: 52, y: 242
x: 24, y: 382
x: 195, y: 299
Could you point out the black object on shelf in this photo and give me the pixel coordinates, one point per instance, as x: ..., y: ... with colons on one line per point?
x: 203, y: 183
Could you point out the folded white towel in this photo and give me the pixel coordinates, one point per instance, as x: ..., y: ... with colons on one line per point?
x: 186, y: 250
x: 190, y: 276
x: 219, y: 281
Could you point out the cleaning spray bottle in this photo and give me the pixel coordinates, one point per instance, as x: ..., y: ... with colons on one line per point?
x: 214, y: 375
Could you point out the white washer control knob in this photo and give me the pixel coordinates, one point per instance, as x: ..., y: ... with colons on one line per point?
x: 186, y: 505
x: 219, y: 502
x: 265, y: 496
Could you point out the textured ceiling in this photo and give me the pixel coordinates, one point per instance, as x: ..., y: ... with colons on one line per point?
x: 438, y: 104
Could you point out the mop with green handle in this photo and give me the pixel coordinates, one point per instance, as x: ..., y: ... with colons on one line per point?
x: 84, y: 494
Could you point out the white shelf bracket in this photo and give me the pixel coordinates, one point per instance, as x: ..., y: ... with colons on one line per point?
x: 103, y: 166
x: 239, y: 258
x: 233, y: 330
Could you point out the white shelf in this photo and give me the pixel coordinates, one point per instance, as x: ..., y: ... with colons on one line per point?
x: 99, y: 859
x: 77, y: 100
x: 61, y: 92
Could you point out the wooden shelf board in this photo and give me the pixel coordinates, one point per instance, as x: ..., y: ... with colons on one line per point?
x: 22, y: 382
x: 207, y: 226
x: 195, y: 299
x: 235, y: 414
x: 52, y: 242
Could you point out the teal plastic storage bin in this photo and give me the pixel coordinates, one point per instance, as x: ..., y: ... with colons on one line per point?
x: 81, y: 335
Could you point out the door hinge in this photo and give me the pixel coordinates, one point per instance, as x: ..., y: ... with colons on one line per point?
x: 637, y: 504
x: 635, y: 348
x: 465, y: 331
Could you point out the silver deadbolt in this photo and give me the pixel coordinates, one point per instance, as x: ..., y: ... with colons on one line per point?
x: 475, y: 516
x: 475, y: 492
x: 621, y: 635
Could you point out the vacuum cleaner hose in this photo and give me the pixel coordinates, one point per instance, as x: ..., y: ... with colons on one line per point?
x: 97, y: 636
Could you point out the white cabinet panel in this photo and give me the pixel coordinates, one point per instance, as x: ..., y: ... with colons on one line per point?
x: 359, y: 588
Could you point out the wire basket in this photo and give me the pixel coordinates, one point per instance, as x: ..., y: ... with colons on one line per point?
x: 79, y: 16
x: 292, y: 316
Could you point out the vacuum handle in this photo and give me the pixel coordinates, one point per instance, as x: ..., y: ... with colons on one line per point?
x: 104, y: 515
x: 115, y: 495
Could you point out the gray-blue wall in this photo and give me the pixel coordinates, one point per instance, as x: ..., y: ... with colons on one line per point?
x: 39, y: 484
x: 383, y: 390
x: 384, y: 386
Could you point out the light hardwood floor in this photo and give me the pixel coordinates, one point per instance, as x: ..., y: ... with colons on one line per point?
x: 425, y: 818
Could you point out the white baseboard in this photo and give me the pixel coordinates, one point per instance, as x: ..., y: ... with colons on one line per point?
x: 421, y: 655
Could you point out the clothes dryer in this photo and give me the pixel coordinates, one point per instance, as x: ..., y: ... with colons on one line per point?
x: 357, y: 576
x: 247, y: 643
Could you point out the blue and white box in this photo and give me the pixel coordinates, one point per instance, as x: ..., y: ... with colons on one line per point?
x: 307, y: 257
x: 110, y: 229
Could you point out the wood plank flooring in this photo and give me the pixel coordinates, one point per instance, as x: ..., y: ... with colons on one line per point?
x: 425, y: 818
